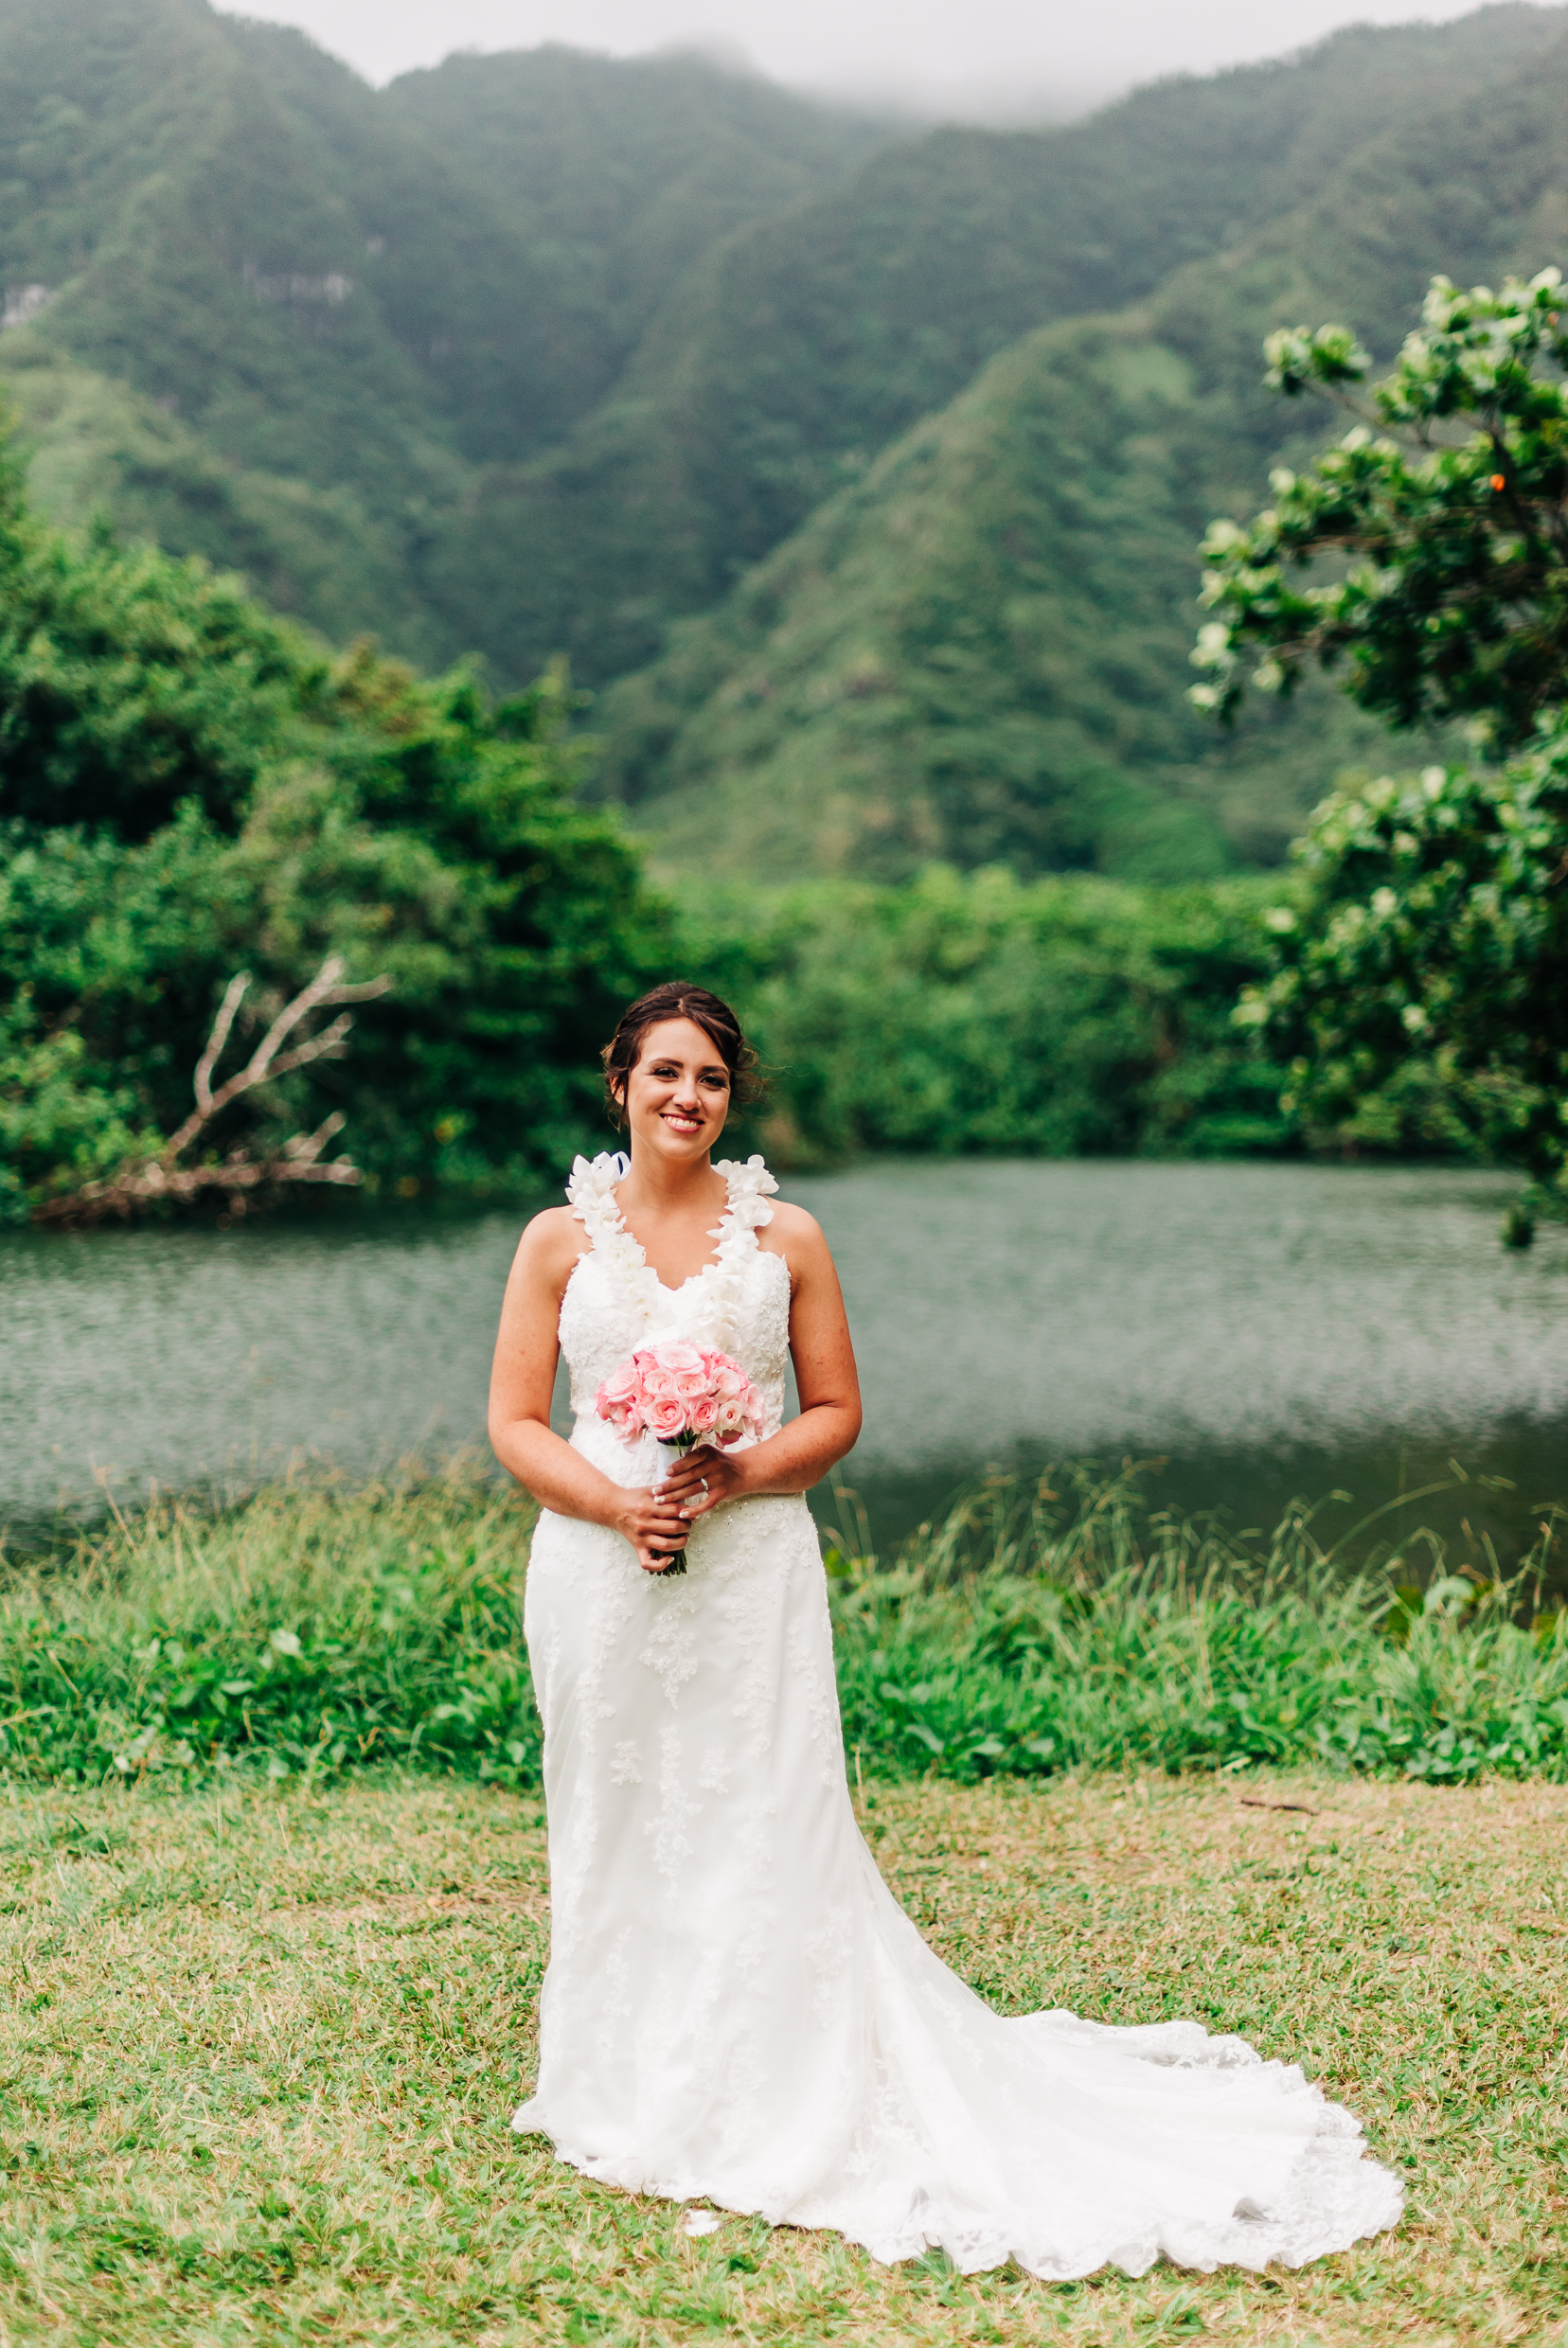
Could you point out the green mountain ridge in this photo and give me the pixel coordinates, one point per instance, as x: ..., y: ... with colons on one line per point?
x: 101, y: 450
x: 980, y: 652
x: 332, y: 302
x: 623, y: 172
x: 865, y: 470
x: 783, y: 363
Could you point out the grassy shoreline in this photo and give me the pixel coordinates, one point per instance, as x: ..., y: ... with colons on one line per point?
x: 1042, y: 1626
x: 272, y: 1987
x: 261, y: 2048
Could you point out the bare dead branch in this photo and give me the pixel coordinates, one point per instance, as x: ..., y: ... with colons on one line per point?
x: 141, y: 1181
x: 318, y: 991
x: 216, y: 1041
x: 144, y: 1184
x: 264, y: 1061
x: 305, y: 1149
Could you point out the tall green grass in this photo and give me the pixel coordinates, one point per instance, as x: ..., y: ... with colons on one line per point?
x: 1066, y: 1624
x: 308, y: 1629
x: 1041, y: 1627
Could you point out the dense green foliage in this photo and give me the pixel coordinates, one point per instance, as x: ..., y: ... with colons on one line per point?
x: 1423, y: 973
x: 1037, y: 1629
x: 1062, y: 1625
x: 982, y: 649
x: 131, y: 687
x: 980, y: 652
x: 1447, y: 528
x: 1420, y: 998
x: 308, y: 1630
x: 967, y: 659
x: 626, y: 172
x: 189, y: 788
x: 956, y: 1013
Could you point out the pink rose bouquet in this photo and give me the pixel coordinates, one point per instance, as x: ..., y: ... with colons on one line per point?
x: 681, y: 1394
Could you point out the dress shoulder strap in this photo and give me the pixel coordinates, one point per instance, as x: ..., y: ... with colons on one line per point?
x: 749, y: 1187
x: 591, y: 1193
x: 748, y: 1209
x: 592, y: 1196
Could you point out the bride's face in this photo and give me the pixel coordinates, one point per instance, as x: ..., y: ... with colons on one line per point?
x: 678, y: 1095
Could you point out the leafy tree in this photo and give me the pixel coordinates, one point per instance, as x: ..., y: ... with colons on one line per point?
x: 131, y: 683
x: 191, y: 788
x: 1421, y: 996
x: 1421, y: 993
x: 443, y: 842
x: 1445, y: 510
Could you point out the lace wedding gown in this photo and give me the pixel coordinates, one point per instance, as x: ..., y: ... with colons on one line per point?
x: 735, y: 2006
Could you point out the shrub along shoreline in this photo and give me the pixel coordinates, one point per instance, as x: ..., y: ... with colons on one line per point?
x: 1043, y: 1626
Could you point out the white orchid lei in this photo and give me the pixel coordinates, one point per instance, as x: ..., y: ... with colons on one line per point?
x: 716, y: 1289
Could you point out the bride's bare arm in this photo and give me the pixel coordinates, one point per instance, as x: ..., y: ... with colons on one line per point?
x: 522, y: 1383
x: 801, y: 1453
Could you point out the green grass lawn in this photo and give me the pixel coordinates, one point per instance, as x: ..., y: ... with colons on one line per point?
x: 262, y: 2047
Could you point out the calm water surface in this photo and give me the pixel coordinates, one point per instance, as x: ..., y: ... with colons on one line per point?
x: 1267, y: 1329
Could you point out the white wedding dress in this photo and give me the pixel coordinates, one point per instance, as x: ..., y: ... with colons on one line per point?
x: 737, y: 2008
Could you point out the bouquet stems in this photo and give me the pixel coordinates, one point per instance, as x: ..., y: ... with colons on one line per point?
x: 668, y: 1454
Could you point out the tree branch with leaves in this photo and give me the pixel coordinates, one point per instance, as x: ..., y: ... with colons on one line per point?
x: 1420, y: 997
x: 1444, y: 511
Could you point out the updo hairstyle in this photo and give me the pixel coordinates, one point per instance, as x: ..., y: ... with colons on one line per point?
x: 676, y: 1000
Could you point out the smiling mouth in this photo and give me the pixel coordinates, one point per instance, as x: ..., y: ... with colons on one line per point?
x: 681, y: 1125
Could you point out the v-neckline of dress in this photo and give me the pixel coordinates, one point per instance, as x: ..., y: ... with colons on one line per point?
x: 712, y: 1295
x: 719, y: 1235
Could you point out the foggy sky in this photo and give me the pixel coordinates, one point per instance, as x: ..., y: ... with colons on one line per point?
x: 982, y: 59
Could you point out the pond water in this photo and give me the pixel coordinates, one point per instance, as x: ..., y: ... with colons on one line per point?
x: 1265, y: 1329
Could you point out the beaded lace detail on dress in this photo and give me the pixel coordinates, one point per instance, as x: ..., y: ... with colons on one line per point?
x: 736, y: 2006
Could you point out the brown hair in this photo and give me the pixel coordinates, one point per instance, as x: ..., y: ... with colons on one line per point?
x: 676, y: 1000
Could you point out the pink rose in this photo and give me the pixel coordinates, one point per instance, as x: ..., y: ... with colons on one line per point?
x: 659, y: 1385
x: 704, y: 1414
x: 689, y: 1383
x: 665, y: 1417
x: 619, y: 1390
x: 677, y: 1355
x: 727, y: 1381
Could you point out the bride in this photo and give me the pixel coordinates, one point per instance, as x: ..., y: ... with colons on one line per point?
x: 737, y: 2008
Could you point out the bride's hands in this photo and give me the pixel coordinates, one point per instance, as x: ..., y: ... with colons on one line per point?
x: 701, y: 1481
x: 656, y: 1521
x: 653, y: 1522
